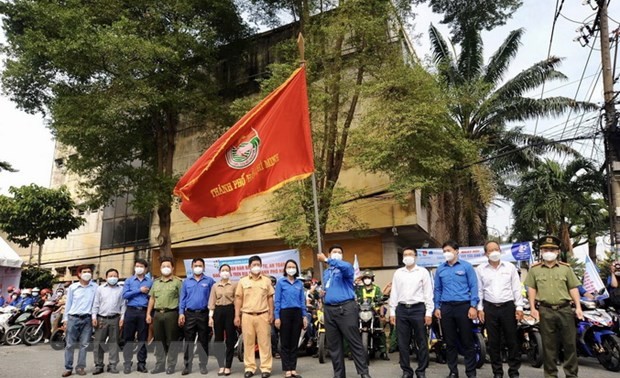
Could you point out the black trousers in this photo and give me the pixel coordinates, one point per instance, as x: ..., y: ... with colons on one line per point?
x: 501, y: 326
x: 135, y: 321
x: 224, y: 329
x: 458, y: 334
x: 291, y: 323
x: 196, y: 323
x: 411, y: 320
x: 342, y: 322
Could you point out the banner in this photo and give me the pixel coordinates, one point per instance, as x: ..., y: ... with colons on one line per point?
x: 268, y: 147
x: 273, y: 264
x: 592, y: 281
x: 432, y: 257
x: 9, y: 277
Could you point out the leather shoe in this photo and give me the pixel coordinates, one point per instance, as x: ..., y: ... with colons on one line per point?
x: 265, y: 375
x: 80, y: 371
x: 248, y: 374
x: 452, y: 375
x: 98, y: 371
x: 112, y: 369
x: 158, y: 369
x: 407, y: 376
x: 127, y: 369
x: 142, y: 369
x: 186, y: 371
x: 498, y: 375
x: 67, y: 373
x: 170, y: 370
x: 421, y: 375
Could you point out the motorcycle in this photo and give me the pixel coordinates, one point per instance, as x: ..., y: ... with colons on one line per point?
x: 13, y: 335
x: 480, y: 346
x: 319, y: 326
x: 595, y: 337
x: 8, y: 315
x: 370, y: 326
x: 530, y: 340
x: 36, y: 329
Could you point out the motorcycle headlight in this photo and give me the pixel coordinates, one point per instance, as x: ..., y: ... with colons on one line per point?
x: 365, y: 315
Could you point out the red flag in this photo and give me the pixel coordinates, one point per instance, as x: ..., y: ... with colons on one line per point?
x: 268, y: 147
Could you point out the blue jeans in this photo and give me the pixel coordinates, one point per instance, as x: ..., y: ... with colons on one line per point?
x: 79, y: 332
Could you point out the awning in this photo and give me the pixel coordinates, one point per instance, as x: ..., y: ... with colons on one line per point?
x: 8, y: 256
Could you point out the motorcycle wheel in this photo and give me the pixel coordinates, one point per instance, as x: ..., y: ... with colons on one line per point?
x: 365, y: 341
x: 535, y: 350
x: 481, y: 350
x: 610, y: 359
x: 322, y: 348
x: 57, y: 340
x: 240, y: 349
x: 13, y: 336
x: 32, y: 334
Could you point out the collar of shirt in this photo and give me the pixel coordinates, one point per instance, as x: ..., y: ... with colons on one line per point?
x: 488, y: 265
x: 414, y: 269
x: 134, y: 277
x: 555, y: 265
x: 202, y: 277
x: 259, y: 277
x: 445, y: 263
x: 222, y: 284
x: 163, y: 279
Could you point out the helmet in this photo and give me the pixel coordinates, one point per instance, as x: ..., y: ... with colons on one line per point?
x: 368, y: 273
x: 17, y: 291
x: 10, y: 288
x: 36, y: 289
x: 273, y: 280
x: 45, y: 292
x: 27, y: 291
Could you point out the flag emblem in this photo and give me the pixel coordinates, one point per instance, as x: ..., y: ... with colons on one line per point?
x: 244, y: 154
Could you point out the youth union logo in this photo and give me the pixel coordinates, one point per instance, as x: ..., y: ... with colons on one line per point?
x: 245, y: 153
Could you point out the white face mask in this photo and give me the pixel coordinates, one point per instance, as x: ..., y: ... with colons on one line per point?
x: 367, y: 281
x: 35, y: 294
x: 549, y: 256
x: 449, y: 256
x: 225, y: 274
x: 86, y: 276
x: 291, y: 271
x: 408, y: 260
x: 495, y: 256
x: 112, y: 281
x: 166, y: 271
x: 198, y: 270
x: 138, y: 270
x: 336, y: 256
x: 255, y: 269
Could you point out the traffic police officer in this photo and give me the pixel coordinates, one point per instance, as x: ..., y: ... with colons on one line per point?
x: 371, y: 293
x: 551, y: 287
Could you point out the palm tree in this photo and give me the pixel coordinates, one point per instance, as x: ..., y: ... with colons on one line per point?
x: 484, y: 108
x: 5, y: 166
x: 565, y: 201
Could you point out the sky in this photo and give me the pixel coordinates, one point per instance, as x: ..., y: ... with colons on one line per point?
x: 27, y: 144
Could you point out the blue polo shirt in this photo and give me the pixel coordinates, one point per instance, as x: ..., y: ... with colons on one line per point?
x: 195, y: 293
x: 456, y: 283
x: 132, y: 293
x: 338, y: 281
x: 289, y: 295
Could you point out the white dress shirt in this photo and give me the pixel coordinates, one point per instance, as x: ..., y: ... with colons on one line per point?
x: 412, y: 286
x: 499, y: 285
x: 109, y: 301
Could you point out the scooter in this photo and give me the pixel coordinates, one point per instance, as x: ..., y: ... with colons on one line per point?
x: 7, y: 318
x: 36, y: 329
x: 530, y: 340
x: 480, y: 346
x: 370, y: 326
x: 13, y: 335
x: 595, y: 337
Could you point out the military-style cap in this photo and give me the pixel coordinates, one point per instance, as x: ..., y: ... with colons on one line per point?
x: 549, y: 241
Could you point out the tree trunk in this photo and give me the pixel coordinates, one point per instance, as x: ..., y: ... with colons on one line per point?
x: 165, y: 154
x: 565, y: 238
x: 165, y: 243
x: 40, y: 253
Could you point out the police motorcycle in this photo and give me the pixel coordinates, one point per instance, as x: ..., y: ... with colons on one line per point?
x: 595, y: 336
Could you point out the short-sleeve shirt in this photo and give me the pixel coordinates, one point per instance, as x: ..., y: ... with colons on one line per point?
x: 166, y: 292
x: 222, y: 294
x: 255, y: 293
x: 553, y: 283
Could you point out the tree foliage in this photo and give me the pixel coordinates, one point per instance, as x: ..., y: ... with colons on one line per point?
x: 118, y: 80
x: 35, y: 214
x: 5, y: 166
x: 34, y: 276
x: 478, y: 15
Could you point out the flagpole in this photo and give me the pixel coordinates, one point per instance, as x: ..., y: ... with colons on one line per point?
x: 317, y: 223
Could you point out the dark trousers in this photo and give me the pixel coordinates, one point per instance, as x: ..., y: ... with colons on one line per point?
x: 135, y: 321
x: 196, y: 323
x: 166, y: 335
x: 501, y: 326
x: 458, y: 334
x: 558, y: 325
x: 290, y: 328
x: 411, y: 320
x: 224, y: 328
x: 342, y: 322
x: 107, y: 329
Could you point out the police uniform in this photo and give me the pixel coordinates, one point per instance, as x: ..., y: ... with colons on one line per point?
x: 165, y: 293
x: 557, y: 320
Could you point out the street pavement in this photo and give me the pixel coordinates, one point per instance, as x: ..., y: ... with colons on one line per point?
x: 42, y: 361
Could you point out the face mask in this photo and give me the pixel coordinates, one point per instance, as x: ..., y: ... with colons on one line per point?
x: 14, y: 296
x: 225, y: 275
x: 138, y: 270
x: 35, y: 294
x: 166, y: 271
x: 198, y: 270
x: 367, y: 281
x: 255, y: 270
x: 112, y: 281
x: 408, y: 260
x: 617, y: 274
x: 87, y: 276
x: 449, y: 256
x: 23, y: 295
x: 549, y: 256
x: 291, y: 272
x: 336, y: 256
x: 495, y: 255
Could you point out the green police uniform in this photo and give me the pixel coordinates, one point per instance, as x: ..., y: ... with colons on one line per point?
x: 557, y: 320
x: 374, y: 296
x: 166, y: 333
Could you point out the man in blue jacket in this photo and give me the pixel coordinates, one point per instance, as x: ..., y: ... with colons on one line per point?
x: 456, y: 298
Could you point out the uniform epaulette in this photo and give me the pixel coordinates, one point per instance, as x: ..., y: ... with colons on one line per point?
x: 536, y: 264
x: 563, y: 263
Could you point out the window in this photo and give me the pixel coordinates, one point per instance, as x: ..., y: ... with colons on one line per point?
x: 122, y: 226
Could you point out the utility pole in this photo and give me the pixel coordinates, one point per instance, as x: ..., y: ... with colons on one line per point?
x: 612, y: 141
